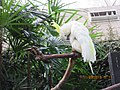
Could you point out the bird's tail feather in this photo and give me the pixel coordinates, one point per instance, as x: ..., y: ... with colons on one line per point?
x: 91, y: 67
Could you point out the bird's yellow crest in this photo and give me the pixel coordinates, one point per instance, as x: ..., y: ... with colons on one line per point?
x: 57, y: 27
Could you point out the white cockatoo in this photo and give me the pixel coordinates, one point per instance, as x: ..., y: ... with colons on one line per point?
x: 80, y: 39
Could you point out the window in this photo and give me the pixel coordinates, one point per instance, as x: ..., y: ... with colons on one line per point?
x: 109, y: 12
x: 102, y: 13
x: 92, y: 14
x: 114, y: 12
x: 96, y: 14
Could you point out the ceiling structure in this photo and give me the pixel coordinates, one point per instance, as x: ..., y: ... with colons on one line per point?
x: 91, y: 3
x: 84, y: 3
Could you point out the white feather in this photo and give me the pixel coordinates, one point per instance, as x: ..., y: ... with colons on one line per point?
x: 80, y: 40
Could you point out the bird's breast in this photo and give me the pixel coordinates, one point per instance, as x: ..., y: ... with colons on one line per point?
x: 76, y: 46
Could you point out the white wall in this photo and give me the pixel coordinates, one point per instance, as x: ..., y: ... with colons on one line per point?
x: 110, y: 29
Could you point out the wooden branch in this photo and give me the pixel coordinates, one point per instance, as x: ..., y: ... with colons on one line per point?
x: 44, y: 58
x: 65, y: 76
x: 113, y: 87
x: 41, y: 57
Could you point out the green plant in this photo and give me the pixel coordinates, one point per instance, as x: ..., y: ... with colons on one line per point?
x: 9, y: 16
x: 20, y: 30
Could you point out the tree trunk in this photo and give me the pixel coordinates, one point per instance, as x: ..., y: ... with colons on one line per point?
x: 2, y: 76
x: 1, y: 73
x: 1, y: 79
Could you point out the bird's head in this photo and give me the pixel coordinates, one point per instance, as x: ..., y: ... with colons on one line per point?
x: 56, y: 26
x: 64, y: 31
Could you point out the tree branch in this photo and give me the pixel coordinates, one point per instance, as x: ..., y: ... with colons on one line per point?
x: 44, y: 58
x: 66, y: 75
x: 40, y: 56
x: 113, y: 87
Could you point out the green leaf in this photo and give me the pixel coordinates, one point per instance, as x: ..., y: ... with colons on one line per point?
x: 19, y: 17
x: 98, y: 34
x: 20, y: 9
x: 19, y: 24
x: 15, y: 6
x: 62, y: 18
x: 71, y: 17
x: 92, y: 28
x: 9, y: 5
x: 85, y: 22
x: 79, y: 18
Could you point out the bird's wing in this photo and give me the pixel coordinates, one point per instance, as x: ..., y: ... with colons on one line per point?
x: 81, y: 33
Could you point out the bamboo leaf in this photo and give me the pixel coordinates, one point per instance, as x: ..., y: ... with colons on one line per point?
x: 49, y: 7
x: 92, y: 28
x: 15, y: 6
x: 20, y: 9
x: 71, y: 17
x: 20, y: 83
x: 78, y: 18
x: 21, y: 16
x: 61, y: 20
x: 9, y: 5
x: 85, y: 22
x: 19, y: 24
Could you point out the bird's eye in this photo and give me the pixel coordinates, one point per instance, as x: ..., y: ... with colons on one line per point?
x: 65, y: 35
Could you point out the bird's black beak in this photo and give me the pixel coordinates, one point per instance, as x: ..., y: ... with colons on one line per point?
x: 68, y: 37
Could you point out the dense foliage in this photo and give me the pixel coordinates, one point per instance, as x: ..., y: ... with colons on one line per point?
x: 23, y: 26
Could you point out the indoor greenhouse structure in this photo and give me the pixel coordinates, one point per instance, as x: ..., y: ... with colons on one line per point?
x: 59, y: 45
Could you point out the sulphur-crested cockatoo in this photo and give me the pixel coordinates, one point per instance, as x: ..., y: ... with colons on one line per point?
x: 79, y: 38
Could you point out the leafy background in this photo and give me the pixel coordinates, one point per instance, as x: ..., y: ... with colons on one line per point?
x: 22, y: 26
